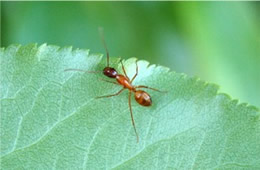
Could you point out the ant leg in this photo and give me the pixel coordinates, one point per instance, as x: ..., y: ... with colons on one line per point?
x: 109, y: 81
x: 111, y: 94
x: 74, y: 69
x: 124, y: 69
x: 132, y: 117
x: 136, y: 73
x: 150, y: 88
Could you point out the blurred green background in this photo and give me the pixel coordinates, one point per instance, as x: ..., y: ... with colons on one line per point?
x: 216, y: 41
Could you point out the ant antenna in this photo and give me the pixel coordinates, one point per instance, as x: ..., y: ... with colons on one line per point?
x: 74, y: 69
x: 101, y: 33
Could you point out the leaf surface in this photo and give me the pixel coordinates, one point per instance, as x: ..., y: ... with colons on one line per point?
x: 50, y: 119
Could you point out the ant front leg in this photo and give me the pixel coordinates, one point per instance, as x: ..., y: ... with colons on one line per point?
x: 150, y: 88
x: 124, y: 69
x: 109, y: 81
x: 111, y: 94
x: 136, y: 73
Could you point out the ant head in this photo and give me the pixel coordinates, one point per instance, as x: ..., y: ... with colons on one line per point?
x: 110, y: 72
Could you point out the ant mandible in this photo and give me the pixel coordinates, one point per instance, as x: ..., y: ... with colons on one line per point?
x: 141, y: 97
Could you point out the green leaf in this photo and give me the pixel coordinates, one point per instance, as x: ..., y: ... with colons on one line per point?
x: 50, y: 119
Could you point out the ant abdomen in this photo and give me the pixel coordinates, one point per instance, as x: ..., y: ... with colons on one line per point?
x: 110, y: 72
x: 143, y: 98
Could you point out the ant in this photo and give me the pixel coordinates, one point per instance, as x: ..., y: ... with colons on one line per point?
x: 141, y: 97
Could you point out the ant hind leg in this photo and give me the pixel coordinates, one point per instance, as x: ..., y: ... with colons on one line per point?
x: 141, y: 86
x: 132, y: 117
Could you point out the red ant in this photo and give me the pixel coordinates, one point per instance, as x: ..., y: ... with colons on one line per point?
x: 141, y: 97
